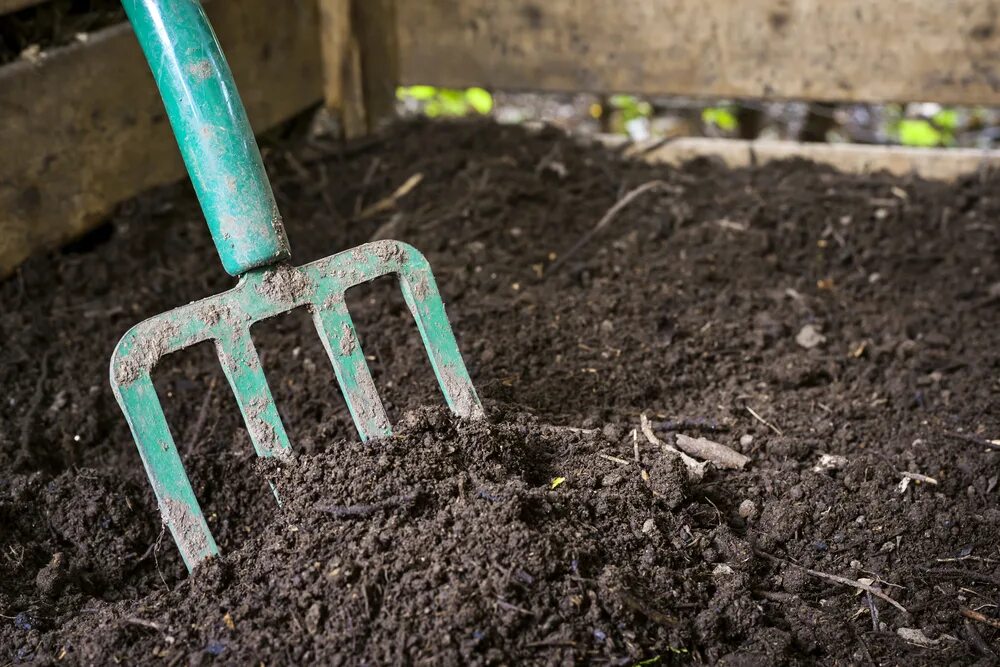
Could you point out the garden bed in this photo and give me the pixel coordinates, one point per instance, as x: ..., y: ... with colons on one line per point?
x: 786, y: 311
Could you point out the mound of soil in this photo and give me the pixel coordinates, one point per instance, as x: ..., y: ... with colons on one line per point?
x: 837, y: 330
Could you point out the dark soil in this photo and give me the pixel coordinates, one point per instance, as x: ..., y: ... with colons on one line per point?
x: 52, y: 24
x: 454, y: 542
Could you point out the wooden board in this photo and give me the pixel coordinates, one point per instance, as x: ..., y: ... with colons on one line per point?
x: 945, y: 164
x: 360, y: 62
x: 8, y: 6
x: 837, y: 50
x: 85, y: 128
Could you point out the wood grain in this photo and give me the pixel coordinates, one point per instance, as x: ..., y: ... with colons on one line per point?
x: 84, y: 128
x: 836, y: 50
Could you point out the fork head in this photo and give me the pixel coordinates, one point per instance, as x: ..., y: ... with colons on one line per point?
x: 226, y: 319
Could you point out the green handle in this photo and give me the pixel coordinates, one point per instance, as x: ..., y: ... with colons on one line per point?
x: 212, y: 131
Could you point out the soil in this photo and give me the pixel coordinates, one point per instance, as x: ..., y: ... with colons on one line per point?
x: 855, y: 315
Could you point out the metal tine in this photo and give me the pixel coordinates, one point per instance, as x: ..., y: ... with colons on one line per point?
x: 424, y: 301
x: 340, y: 339
x: 179, y: 507
x: 242, y: 368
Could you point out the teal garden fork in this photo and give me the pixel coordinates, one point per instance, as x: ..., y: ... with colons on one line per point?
x: 225, y: 166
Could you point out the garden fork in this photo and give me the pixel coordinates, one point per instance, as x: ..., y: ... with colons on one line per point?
x: 225, y: 166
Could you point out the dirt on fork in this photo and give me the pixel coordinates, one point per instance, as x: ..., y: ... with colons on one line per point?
x: 840, y: 331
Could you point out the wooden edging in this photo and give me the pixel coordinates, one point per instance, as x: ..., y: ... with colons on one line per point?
x: 84, y: 128
x: 839, y: 50
x: 943, y: 164
x: 10, y: 6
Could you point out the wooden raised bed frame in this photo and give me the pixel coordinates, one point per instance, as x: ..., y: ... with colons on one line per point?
x: 84, y: 129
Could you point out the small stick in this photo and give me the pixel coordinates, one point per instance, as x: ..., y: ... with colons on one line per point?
x: 513, y: 607
x: 635, y: 446
x: 917, y: 477
x: 976, y: 440
x: 835, y: 579
x: 976, y: 616
x: 712, y: 451
x: 764, y: 421
x: 606, y: 220
x: 873, y: 609
x: 387, y: 203
x: 615, y: 459
x: 696, y: 468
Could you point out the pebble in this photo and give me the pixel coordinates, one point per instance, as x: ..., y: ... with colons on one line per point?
x: 748, y: 509
x: 746, y: 440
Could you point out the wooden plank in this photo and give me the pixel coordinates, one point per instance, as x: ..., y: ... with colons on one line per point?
x: 9, y: 6
x: 835, y: 50
x: 85, y: 128
x: 361, y: 62
x: 343, y: 90
x: 944, y: 164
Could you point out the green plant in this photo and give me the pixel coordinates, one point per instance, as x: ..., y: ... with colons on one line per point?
x: 937, y: 130
x: 721, y: 117
x: 436, y: 102
x: 631, y: 107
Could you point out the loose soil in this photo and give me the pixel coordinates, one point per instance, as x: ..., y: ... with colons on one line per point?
x: 533, y: 537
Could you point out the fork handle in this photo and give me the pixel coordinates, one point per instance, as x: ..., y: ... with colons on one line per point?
x: 212, y: 131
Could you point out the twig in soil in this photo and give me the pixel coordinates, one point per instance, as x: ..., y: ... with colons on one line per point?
x: 706, y: 449
x: 977, y: 640
x: 834, y: 578
x: 513, y: 607
x: 695, y: 468
x: 873, y: 609
x: 967, y: 574
x: 974, y: 439
x: 635, y: 447
x: 388, y: 203
x: 605, y: 220
x: 615, y: 459
x: 363, y: 510
x: 980, y: 618
x: 763, y: 421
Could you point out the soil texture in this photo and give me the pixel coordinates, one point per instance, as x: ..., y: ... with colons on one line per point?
x: 840, y: 331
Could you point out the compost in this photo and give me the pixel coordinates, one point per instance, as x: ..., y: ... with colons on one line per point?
x: 840, y: 331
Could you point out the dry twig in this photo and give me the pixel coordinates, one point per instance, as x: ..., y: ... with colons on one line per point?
x: 979, y: 617
x: 717, y: 453
x: 606, y: 220
x: 695, y: 468
x: 834, y: 578
x: 763, y: 421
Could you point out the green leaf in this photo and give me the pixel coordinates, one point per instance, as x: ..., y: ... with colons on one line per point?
x: 918, y: 132
x: 721, y: 117
x: 479, y: 99
x: 946, y: 119
x: 422, y: 93
x: 557, y: 481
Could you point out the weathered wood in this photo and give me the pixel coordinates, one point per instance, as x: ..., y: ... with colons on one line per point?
x: 944, y: 164
x: 360, y: 61
x: 342, y: 77
x: 85, y: 128
x: 835, y: 50
x: 9, y: 6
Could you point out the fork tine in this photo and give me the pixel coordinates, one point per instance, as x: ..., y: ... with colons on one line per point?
x: 424, y: 301
x: 340, y: 339
x: 179, y: 508
x: 242, y: 368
